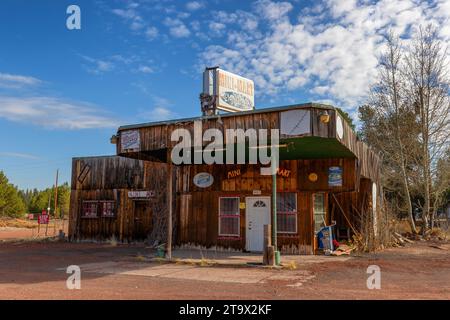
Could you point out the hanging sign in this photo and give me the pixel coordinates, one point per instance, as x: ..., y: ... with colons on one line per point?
x: 203, y: 180
x: 141, y: 194
x: 335, y: 176
x: 130, y: 140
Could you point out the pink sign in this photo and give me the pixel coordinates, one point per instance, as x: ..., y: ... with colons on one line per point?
x: 43, y: 219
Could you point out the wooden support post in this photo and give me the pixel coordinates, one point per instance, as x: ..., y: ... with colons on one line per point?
x: 56, y: 202
x: 267, y: 242
x: 271, y: 255
x: 169, y: 215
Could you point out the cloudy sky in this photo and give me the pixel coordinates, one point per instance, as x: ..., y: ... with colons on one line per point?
x: 63, y: 93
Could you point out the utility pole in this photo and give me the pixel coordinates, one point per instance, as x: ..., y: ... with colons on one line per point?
x: 56, y: 201
x: 48, y: 212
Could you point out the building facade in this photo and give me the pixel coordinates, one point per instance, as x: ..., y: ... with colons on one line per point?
x: 325, y: 176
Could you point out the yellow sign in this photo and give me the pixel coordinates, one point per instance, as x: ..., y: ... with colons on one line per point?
x: 233, y: 173
x: 242, y: 205
x: 285, y: 173
x: 313, y: 177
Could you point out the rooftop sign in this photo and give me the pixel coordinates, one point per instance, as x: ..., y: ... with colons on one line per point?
x: 233, y: 93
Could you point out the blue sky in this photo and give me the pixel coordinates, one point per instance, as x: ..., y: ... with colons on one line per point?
x: 63, y: 93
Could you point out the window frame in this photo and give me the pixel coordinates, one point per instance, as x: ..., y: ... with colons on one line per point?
x: 236, y: 216
x: 289, y: 213
x: 83, y: 215
x: 102, y: 203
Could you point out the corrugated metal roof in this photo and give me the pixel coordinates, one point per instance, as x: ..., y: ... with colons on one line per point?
x: 231, y: 114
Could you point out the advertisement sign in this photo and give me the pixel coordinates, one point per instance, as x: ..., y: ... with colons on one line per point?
x: 335, y: 177
x: 203, y: 180
x: 234, y: 93
x: 130, y: 140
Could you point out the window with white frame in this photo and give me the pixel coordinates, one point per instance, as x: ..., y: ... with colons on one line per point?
x: 108, y: 209
x: 229, y: 216
x: 89, y: 209
x: 287, y: 212
x: 319, y: 211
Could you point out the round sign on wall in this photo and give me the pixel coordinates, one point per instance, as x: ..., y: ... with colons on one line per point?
x: 203, y: 180
x: 339, y: 127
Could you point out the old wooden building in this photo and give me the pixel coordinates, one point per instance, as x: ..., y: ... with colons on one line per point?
x: 325, y: 175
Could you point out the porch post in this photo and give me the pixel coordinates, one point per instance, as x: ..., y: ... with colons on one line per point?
x: 170, y: 212
x: 274, y: 208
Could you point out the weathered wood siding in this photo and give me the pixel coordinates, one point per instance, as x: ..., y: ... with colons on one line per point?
x: 110, y: 178
x: 155, y: 139
x: 199, y: 212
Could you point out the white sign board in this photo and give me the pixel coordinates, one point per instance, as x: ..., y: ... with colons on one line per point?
x: 130, y: 140
x: 234, y: 93
x: 295, y: 123
x: 141, y: 194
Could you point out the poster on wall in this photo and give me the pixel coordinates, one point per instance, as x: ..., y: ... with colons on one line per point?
x: 335, y: 177
x: 130, y: 140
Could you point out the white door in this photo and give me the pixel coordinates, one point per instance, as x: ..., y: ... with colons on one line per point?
x: 257, y: 214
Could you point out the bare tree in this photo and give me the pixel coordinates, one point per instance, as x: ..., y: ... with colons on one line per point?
x: 428, y: 85
x: 393, y: 133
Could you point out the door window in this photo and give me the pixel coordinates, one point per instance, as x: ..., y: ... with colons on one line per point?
x: 319, y: 211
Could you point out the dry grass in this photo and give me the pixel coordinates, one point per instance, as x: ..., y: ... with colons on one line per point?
x: 113, y: 241
x: 17, y: 223
x: 291, y: 265
x: 140, y: 258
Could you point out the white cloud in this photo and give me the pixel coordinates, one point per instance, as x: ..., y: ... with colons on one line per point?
x: 54, y: 113
x: 17, y: 81
x: 177, y: 28
x: 151, y: 33
x: 131, y: 15
x: 217, y: 28
x: 160, y: 111
x: 330, y: 51
x: 246, y: 20
x: 273, y: 10
x: 145, y: 69
x: 18, y: 155
x: 194, y: 5
x: 97, y: 66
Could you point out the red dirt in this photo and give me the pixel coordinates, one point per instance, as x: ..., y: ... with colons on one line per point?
x: 37, y: 271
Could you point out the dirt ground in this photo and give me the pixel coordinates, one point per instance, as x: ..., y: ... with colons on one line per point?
x: 37, y: 270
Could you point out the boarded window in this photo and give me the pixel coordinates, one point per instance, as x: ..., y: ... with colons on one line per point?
x: 319, y: 211
x: 229, y: 216
x: 295, y: 123
x: 108, y: 209
x: 286, y: 212
x: 89, y: 209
